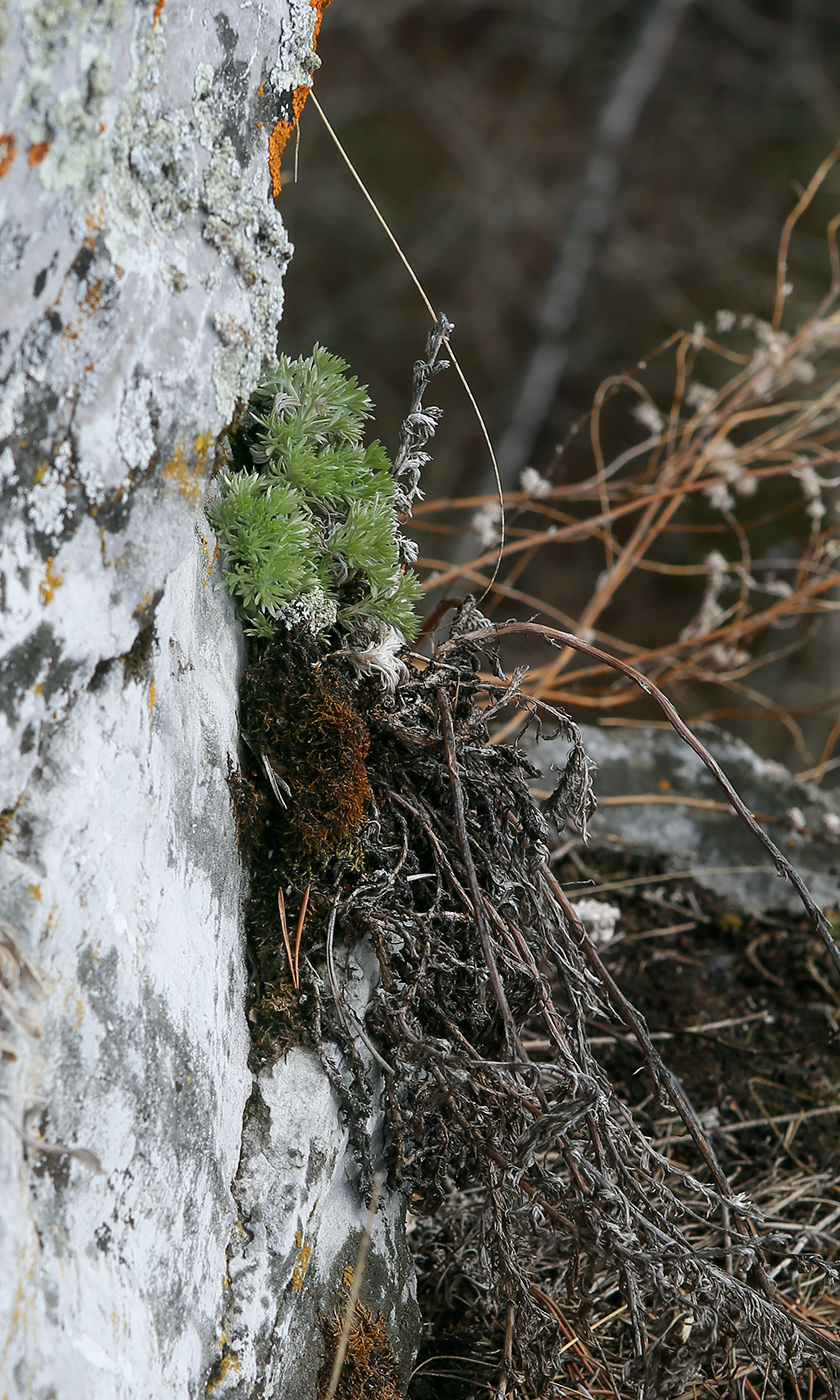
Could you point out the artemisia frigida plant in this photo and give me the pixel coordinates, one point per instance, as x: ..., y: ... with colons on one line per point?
x: 374, y: 814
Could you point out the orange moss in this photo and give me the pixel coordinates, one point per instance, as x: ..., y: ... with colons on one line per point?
x: 304, y: 720
x: 8, y: 151
x: 36, y: 153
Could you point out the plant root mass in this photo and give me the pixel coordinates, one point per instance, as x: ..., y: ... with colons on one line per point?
x: 579, y: 1230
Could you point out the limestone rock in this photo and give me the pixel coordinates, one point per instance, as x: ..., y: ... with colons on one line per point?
x: 689, y: 820
x: 143, y: 1180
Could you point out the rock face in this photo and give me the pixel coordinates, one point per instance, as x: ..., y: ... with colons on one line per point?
x: 688, y: 820
x: 168, y: 1227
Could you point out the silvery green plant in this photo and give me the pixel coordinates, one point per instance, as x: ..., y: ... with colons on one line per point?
x: 309, y: 531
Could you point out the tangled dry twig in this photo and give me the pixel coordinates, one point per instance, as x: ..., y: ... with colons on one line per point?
x: 478, y: 947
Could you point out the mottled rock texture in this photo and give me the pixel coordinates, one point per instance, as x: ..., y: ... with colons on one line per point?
x: 688, y: 820
x: 197, y: 1235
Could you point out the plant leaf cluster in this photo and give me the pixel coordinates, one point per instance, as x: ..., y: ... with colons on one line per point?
x: 307, y: 519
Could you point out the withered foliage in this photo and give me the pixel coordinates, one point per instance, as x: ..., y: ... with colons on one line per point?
x: 370, y: 1370
x: 476, y: 943
x: 300, y: 801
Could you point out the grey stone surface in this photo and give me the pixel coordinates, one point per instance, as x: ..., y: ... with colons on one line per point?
x: 634, y: 762
x: 141, y: 261
x: 145, y: 1185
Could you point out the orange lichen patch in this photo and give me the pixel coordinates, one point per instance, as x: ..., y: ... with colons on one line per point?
x: 40, y: 472
x: 319, y: 6
x: 36, y: 153
x: 90, y: 304
x: 95, y: 220
x: 158, y: 12
x: 260, y: 90
x: 34, y: 891
x: 279, y: 138
x: 92, y: 300
x: 49, y: 583
x: 8, y: 151
x: 152, y: 696
x: 181, y: 476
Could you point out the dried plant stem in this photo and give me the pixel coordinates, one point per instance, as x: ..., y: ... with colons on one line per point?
x: 514, y: 1043
x: 299, y: 935
x: 789, y: 224
x: 783, y: 865
x: 434, y: 315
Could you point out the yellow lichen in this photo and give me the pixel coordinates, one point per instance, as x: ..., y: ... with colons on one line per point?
x: 302, y: 1263
x: 229, y: 1362
x: 203, y: 443
x: 152, y: 695
x: 211, y: 560
x: 50, y: 582
x: 185, y: 478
